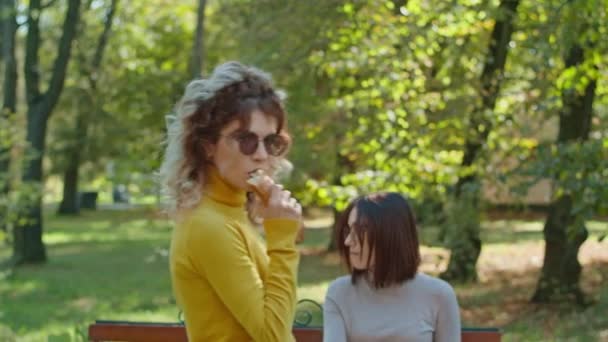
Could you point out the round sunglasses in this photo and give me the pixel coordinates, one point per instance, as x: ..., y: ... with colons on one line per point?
x: 275, y: 144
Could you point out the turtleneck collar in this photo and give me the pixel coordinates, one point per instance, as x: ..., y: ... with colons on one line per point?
x: 219, y: 190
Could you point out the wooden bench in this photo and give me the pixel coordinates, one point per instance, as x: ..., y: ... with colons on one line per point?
x: 175, y: 332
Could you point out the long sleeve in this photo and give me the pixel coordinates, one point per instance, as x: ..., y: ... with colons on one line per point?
x: 263, y: 307
x: 448, y: 317
x: 334, y: 329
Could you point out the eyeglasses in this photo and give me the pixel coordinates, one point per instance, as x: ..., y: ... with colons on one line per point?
x: 275, y: 144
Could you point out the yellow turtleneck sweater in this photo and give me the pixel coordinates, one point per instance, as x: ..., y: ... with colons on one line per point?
x: 228, y: 285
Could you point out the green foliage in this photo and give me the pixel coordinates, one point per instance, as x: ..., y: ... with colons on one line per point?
x: 399, y: 115
x: 280, y: 36
x: 143, y: 73
x: 380, y: 93
x: 579, y: 170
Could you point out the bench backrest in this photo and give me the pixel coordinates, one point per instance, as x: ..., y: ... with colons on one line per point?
x: 161, y: 332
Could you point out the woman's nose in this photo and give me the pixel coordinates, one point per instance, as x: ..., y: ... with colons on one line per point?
x: 260, y: 153
x: 349, y: 239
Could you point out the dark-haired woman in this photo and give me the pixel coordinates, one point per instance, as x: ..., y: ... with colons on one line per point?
x: 385, y: 298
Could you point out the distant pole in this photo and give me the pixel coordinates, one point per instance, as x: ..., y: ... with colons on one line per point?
x: 197, y: 61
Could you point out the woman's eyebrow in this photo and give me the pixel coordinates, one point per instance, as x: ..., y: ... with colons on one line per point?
x: 238, y: 131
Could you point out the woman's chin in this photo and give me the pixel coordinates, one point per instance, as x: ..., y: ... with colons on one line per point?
x: 358, y: 267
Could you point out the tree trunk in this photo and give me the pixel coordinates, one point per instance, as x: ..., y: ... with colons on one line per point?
x: 4, y: 16
x: 397, y: 4
x: 28, y: 246
x: 196, y: 64
x: 560, y: 275
x: 9, y: 104
x: 466, y: 249
x: 463, y: 235
x: 343, y: 165
x: 70, y: 203
x: 8, y: 29
x: 27, y: 237
x: 332, y: 246
x: 561, y: 270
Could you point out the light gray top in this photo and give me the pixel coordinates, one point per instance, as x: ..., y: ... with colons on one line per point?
x: 422, y: 309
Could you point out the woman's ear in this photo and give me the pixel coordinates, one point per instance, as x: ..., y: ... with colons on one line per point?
x: 209, y: 150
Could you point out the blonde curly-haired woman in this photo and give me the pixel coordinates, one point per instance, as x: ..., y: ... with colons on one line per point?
x: 229, y: 285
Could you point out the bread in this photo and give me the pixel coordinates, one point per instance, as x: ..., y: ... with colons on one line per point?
x: 255, y: 180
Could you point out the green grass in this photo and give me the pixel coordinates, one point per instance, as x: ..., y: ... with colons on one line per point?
x: 113, y: 265
x: 110, y: 265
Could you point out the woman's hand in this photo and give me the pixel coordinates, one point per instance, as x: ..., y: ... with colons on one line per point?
x: 281, y: 204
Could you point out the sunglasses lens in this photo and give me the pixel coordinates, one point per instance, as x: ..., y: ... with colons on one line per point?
x: 275, y: 144
x: 248, y: 143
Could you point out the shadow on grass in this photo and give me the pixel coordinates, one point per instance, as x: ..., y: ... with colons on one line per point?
x: 116, y: 223
x: 509, y: 232
x: 503, y: 300
x: 316, y: 265
x: 318, y: 268
x: 85, y: 281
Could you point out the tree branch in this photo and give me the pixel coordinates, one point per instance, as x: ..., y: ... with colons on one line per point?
x: 90, y: 68
x: 9, y: 30
x: 103, y: 38
x: 197, y: 58
x: 22, y: 23
x: 32, y: 43
x: 48, y: 4
x: 63, y: 55
x: 3, y: 20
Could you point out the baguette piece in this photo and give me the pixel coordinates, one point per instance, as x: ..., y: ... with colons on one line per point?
x: 255, y: 180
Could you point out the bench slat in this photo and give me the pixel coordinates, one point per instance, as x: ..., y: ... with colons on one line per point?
x: 137, y: 332
x: 162, y: 332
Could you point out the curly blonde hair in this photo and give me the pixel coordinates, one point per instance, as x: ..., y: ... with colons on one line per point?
x: 231, y: 93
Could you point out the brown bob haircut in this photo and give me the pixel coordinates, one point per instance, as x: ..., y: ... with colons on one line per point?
x: 387, y: 221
